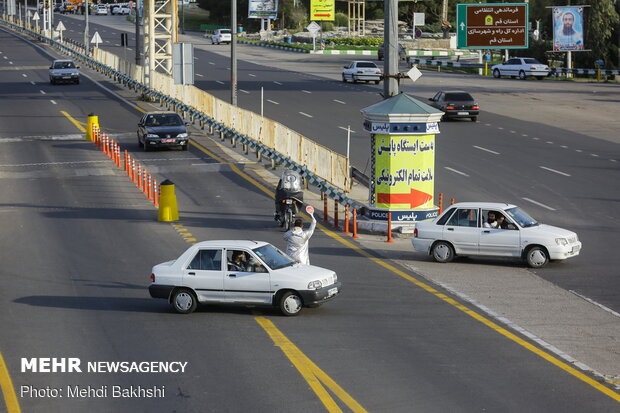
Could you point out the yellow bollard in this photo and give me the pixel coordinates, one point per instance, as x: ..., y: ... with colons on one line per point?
x: 168, y: 209
x: 92, y: 119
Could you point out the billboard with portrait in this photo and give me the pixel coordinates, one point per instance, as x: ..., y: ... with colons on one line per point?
x: 263, y: 9
x: 568, y: 28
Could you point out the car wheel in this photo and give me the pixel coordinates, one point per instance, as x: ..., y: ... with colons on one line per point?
x: 522, y: 75
x: 497, y: 74
x: 536, y: 257
x: 353, y: 79
x: 290, y: 303
x: 442, y: 252
x: 184, y: 301
x: 474, y: 118
x: 344, y: 79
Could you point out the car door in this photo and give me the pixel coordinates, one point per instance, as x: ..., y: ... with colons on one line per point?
x: 463, y: 231
x: 141, y: 129
x: 513, y: 66
x: 204, y: 274
x: 247, y: 283
x: 436, y: 100
x: 500, y: 242
x: 348, y: 70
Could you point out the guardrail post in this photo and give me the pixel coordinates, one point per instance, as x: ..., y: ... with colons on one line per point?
x: 336, y: 214
x: 324, y: 197
x: 440, y: 203
x: 355, y: 223
x: 389, y: 228
x: 346, y: 219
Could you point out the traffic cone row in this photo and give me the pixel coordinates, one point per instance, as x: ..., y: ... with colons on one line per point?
x: 135, y: 171
x: 347, y: 221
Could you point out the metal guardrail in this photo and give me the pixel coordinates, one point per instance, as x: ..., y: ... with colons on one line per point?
x: 338, y: 194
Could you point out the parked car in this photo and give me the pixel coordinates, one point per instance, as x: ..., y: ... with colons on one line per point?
x: 121, y: 10
x: 162, y: 130
x: 522, y: 67
x: 221, y: 36
x: 402, y: 52
x: 241, y: 272
x: 64, y: 71
x: 456, y: 104
x: 464, y: 229
x: 361, y: 70
x: 102, y: 10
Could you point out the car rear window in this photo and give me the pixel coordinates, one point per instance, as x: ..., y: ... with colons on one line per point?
x: 459, y: 97
x: 531, y: 61
x: 366, y: 64
x: 225, y: 31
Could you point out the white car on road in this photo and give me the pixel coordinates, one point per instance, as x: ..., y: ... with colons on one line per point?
x: 522, y: 67
x: 464, y: 229
x: 361, y: 70
x: 122, y: 10
x: 221, y: 36
x: 102, y: 10
x: 241, y: 272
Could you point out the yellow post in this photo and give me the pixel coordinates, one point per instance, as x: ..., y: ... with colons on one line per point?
x: 91, y: 120
x: 168, y: 209
x: 598, y: 74
x: 486, y: 68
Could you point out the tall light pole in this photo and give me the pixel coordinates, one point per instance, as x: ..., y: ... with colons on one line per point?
x: 390, y: 42
x: 233, y: 52
x: 86, y: 34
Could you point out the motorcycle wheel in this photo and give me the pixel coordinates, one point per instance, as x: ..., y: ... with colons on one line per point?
x: 288, y: 219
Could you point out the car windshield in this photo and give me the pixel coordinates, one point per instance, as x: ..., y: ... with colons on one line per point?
x: 164, y: 120
x: 225, y: 31
x: 366, y: 64
x: 459, y: 97
x: 531, y: 61
x: 64, y: 65
x: 521, y: 217
x: 273, y: 257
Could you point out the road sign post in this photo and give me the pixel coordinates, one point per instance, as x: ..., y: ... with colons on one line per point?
x: 492, y: 26
x: 313, y: 28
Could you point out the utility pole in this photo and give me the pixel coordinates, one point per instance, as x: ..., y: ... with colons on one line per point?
x: 233, y: 52
x: 390, y: 46
x: 86, y: 34
x: 138, y: 8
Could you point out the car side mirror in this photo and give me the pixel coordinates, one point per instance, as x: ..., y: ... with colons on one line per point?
x: 345, y: 67
x: 51, y: 67
x: 511, y: 226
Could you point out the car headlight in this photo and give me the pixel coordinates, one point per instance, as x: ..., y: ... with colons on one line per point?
x: 561, y: 241
x: 152, y: 135
x: 75, y: 74
x: 314, y: 285
x: 182, y: 135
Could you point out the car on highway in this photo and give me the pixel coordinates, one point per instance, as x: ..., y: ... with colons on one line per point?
x: 465, y: 229
x: 521, y: 67
x: 102, y: 10
x: 121, y: 10
x: 64, y: 71
x: 456, y: 104
x: 402, y: 52
x: 162, y: 130
x: 243, y: 273
x: 360, y: 70
x: 221, y: 36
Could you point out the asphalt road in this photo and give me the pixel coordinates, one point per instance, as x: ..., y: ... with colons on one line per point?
x: 550, y: 147
x: 78, y: 241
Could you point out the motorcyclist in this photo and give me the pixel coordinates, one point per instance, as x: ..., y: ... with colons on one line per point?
x: 289, y: 187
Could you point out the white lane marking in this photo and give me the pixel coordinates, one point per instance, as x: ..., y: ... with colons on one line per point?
x: 536, y: 139
x: 53, y: 102
x: 199, y: 75
x: 24, y: 75
x: 500, y: 128
x: 272, y: 101
x: 195, y: 58
x: 343, y: 128
x: 306, y: 115
x: 277, y: 83
x: 129, y: 48
x: 487, y: 124
x: 455, y: 171
x: 593, y: 154
x: 339, y: 101
x: 116, y: 44
x: 524, y: 135
x: 578, y: 150
x: 244, y: 91
x: 251, y: 75
x: 42, y: 92
x: 4, y: 57
x: 10, y: 63
x: 220, y: 82
x: 487, y: 150
x: 591, y: 301
x: 549, y: 142
x: 613, y: 160
x: 305, y: 91
x: 32, y: 83
x: 211, y: 63
x: 563, y: 146
x: 538, y: 203
x: 513, y: 131
x: 555, y: 171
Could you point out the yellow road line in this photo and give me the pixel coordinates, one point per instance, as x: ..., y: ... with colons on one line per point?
x: 8, y: 391
x: 72, y: 120
x: 310, y: 371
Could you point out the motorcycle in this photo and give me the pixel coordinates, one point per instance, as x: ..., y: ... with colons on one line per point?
x: 289, y: 199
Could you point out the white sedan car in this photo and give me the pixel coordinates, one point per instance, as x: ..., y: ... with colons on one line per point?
x: 241, y: 272
x: 522, y: 67
x: 361, y: 70
x: 466, y: 229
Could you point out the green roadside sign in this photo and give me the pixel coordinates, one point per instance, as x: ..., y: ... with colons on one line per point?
x: 492, y: 26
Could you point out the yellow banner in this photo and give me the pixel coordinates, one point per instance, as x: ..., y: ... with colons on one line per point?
x: 404, y: 171
x: 323, y: 10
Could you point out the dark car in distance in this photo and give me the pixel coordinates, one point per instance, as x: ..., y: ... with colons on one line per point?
x: 402, y: 52
x: 456, y: 104
x: 162, y: 130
